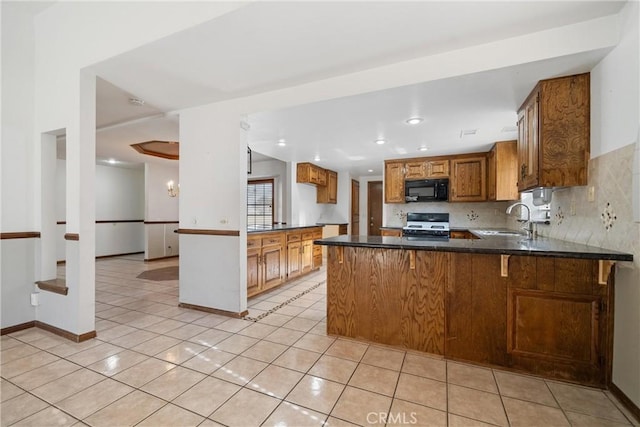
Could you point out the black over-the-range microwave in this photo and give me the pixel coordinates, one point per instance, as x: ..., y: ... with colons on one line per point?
x: 426, y: 190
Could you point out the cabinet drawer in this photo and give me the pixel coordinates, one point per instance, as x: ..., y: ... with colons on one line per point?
x: 293, y: 237
x: 307, y: 235
x: 271, y: 240
x: 317, y: 250
x: 253, y: 243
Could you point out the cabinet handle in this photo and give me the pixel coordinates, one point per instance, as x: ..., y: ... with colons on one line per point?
x: 523, y: 171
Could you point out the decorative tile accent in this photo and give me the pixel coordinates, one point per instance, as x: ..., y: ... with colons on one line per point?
x: 287, y: 302
x: 559, y: 215
x: 608, y: 217
x: 472, y: 216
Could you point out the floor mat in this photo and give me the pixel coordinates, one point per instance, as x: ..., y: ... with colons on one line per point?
x: 160, y: 274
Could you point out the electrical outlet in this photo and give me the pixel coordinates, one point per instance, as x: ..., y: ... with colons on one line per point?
x: 223, y: 221
x: 591, y: 194
x: 572, y: 207
x: 495, y: 212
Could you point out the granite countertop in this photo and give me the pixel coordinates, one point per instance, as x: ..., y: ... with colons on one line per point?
x: 279, y: 227
x: 504, y: 245
x: 331, y: 223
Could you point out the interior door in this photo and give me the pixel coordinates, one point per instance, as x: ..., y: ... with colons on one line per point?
x: 374, y: 207
x: 355, y: 207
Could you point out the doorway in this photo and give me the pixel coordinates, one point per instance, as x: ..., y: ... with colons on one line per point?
x: 355, y: 208
x: 374, y: 207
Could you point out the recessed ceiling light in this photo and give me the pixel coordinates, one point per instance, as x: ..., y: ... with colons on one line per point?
x: 380, y: 141
x: 414, y: 120
x: 370, y: 170
x: 316, y: 158
x: 282, y: 142
x: 112, y: 161
x: 423, y: 148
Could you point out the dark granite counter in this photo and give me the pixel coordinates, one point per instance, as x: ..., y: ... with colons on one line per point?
x: 279, y: 227
x: 504, y: 245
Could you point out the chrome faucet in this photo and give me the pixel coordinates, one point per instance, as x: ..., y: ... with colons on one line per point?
x: 528, y: 227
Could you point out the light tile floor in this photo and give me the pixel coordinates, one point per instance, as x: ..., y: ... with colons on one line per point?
x: 155, y: 364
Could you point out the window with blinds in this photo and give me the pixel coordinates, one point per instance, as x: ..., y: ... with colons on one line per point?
x: 260, y: 203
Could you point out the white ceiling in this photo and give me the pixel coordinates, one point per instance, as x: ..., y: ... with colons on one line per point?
x: 269, y: 45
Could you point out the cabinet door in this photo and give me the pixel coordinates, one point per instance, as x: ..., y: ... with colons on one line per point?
x: 328, y: 193
x: 438, y: 169
x: 332, y: 186
x: 253, y: 271
x: 321, y: 176
x: 475, y: 305
x: 528, y: 143
x: 294, y: 266
x: 394, y: 182
x: 416, y: 170
x: 469, y: 180
x: 306, y: 257
x: 273, y: 266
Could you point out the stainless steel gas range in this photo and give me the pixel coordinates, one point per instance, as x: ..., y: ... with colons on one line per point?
x: 427, y: 226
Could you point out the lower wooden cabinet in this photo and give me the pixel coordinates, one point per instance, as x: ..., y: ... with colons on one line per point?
x: 274, y: 258
x: 265, y: 262
x: 542, y: 315
x: 462, y: 234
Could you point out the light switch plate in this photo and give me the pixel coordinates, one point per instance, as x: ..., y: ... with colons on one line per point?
x: 591, y: 194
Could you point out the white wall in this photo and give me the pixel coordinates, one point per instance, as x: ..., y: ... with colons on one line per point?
x: 18, y: 257
x: 119, y: 194
x: 615, y: 123
x: 159, y: 239
x: 277, y: 170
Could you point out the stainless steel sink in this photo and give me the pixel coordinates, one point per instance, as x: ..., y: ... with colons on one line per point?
x: 499, y: 233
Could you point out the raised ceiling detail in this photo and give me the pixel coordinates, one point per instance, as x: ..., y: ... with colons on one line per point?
x: 165, y: 149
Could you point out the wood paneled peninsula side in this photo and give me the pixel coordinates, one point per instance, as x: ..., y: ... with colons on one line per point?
x: 279, y: 253
x: 540, y: 306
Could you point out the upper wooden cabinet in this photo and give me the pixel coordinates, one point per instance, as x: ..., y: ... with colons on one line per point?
x: 394, y: 181
x: 502, y: 171
x: 425, y: 169
x: 553, y: 134
x: 328, y: 193
x: 438, y: 169
x: 416, y: 169
x: 468, y: 181
x: 308, y: 173
x: 325, y: 180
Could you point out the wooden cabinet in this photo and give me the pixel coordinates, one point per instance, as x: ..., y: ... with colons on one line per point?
x: 317, y: 249
x: 475, y: 304
x: 328, y: 193
x: 468, y: 182
x: 394, y: 181
x: 275, y: 257
x: 502, y: 171
x: 326, y: 181
x: 265, y: 262
x: 308, y: 173
x: 389, y: 296
x: 558, y: 317
x: 426, y: 169
x: 389, y: 232
x: 418, y: 169
x: 438, y: 169
x: 554, y: 134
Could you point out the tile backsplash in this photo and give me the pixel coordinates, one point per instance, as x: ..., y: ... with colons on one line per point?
x: 462, y: 215
x: 607, y: 221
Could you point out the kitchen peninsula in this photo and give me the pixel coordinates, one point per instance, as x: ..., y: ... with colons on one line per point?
x: 541, y: 306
